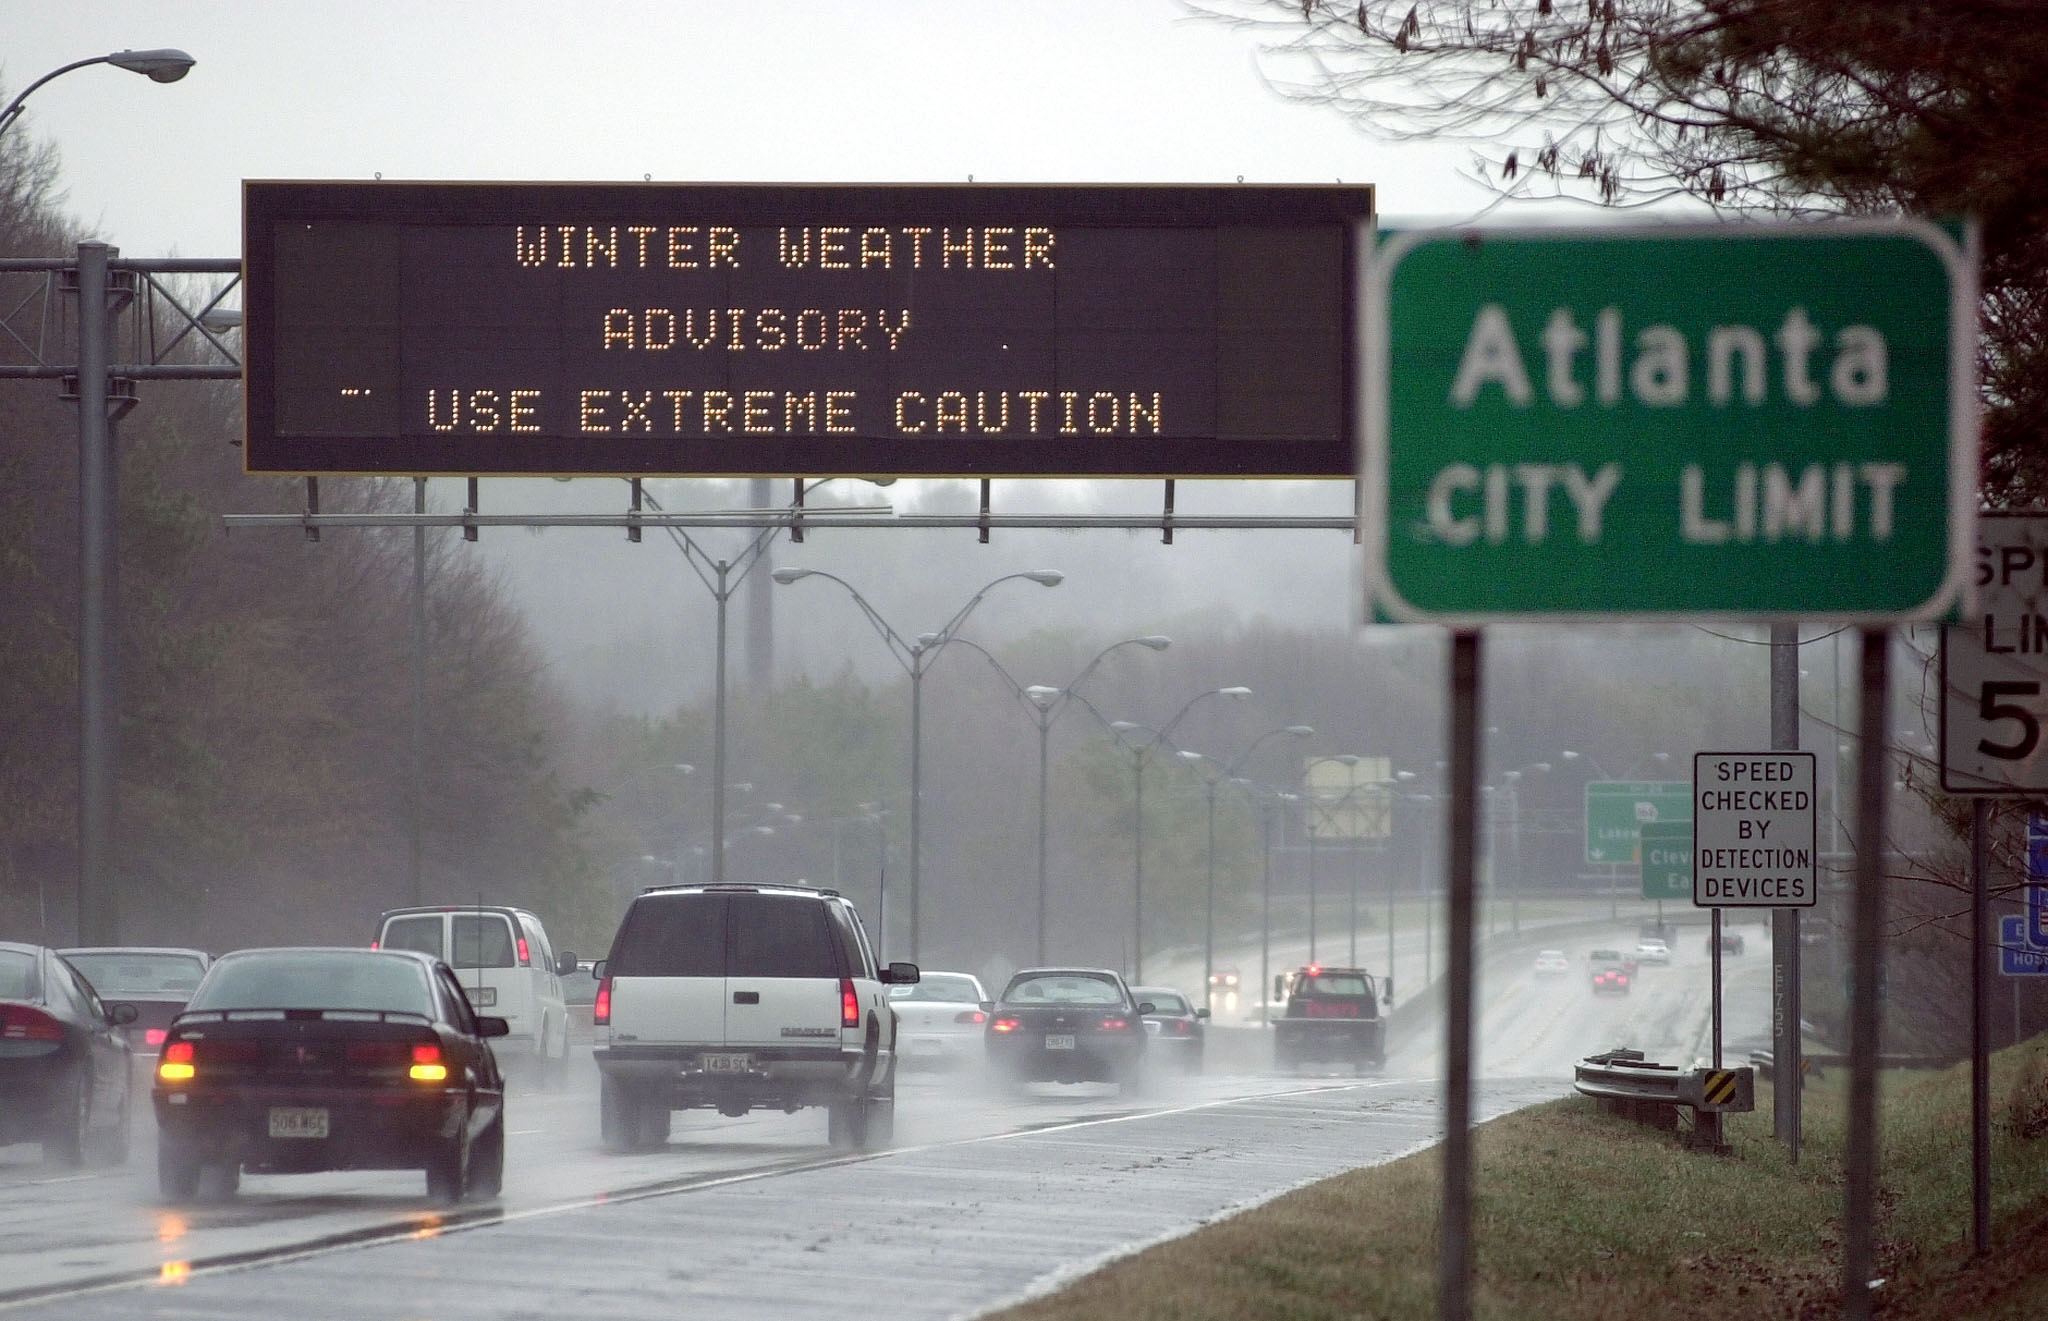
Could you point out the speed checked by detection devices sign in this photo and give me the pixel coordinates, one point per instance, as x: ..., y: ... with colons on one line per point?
x: 1754, y: 840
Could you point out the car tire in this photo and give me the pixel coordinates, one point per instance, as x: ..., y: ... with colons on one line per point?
x: 618, y: 1118
x: 651, y: 1124
x: 487, y: 1163
x: 448, y: 1171
x: 177, y: 1170
x: 847, y: 1123
x: 220, y: 1181
x: 112, y: 1146
x: 66, y: 1141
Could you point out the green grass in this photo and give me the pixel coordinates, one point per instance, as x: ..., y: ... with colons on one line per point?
x: 1585, y: 1216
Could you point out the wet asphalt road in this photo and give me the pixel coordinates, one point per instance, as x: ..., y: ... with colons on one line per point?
x: 985, y: 1197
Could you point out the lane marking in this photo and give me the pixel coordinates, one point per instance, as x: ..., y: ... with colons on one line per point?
x: 443, y: 1224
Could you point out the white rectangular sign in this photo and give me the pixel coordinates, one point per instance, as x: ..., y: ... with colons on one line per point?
x: 1755, y: 843
x: 1994, y: 666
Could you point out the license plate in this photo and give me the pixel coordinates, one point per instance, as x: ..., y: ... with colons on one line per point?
x: 290, y: 1121
x: 483, y: 997
x: 1059, y: 1041
x: 728, y: 1063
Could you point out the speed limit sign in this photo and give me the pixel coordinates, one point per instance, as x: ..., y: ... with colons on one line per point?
x: 1994, y: 666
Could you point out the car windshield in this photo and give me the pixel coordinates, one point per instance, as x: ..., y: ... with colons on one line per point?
x: 17, y: 975
x: 945, y: 987
x: 316, y: 979
x: 1164, y: 1002
x: 116, y: 974
x: 1063, y: 988
x: 1342, y: 983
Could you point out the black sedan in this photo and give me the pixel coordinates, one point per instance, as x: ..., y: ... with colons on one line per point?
x: 63, y: 1060
x: 290, y: 1061
x: 1174, y: 1025
x: 157, y: 981
x: 1067, y: 1025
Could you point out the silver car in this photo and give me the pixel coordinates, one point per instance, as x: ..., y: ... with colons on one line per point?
x: 940, y: 1019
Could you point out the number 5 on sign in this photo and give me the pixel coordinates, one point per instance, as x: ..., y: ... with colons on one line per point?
x: 1994, y: 665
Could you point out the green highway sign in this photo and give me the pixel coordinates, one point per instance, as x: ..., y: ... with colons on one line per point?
x: 1617, y: 811
x: 1667, y: 859
x: 1742, y: 421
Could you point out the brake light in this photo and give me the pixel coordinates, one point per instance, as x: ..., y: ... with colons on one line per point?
x: 523, y: 959
x: 21, y: 1023
x: 153, y: 1036
x: 1315, y: 969
x: 601, y: 1008
x: 1115, y: 1024
x: 426, y: 1064
x: 375, y: 944
x: 1180, y: 1027
x: 849, y: 1004
x: 1005, y: 1025
x: 970, y: 1016
x: 176, y: 1064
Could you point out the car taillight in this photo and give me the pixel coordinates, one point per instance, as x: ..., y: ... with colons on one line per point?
x: 523, y: 959
x: 1115, y: 1024
x: 426, y: 1064
x: 176, y: 1064
x: 849, y: 1004
x: 1181, y: 1027
x: 153, y: 1036
x: 1005, y: 1025
x: 376, y: 944
x: 21, y: 1023
x: 601, y: 1008
x: 970, y: 1016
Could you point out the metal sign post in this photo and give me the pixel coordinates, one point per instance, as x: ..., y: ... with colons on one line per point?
x: 1787, y: 1047
x: 1454, y: 1266
x: 1873, y: 782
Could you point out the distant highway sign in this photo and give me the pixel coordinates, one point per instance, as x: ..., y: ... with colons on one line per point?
x: 1667, y: 859
x: 2016, y: 958
x: 1616, y: 811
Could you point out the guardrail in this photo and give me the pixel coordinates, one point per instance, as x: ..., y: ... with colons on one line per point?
x: 1625, y: 1083
x: 1813, y: 1064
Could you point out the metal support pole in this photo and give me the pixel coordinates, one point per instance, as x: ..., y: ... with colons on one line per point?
x: 1357, y: 861
x: 1311, y: 884
x: 916, y: 790
x: 98, y: 899
x: 1266, y: 921
x: 1209, y: 909
x: 1983, y: 941
x: 723, y: 596
x: 1138, y: 865
x: 1786, y: 1045
x: 1717, y: 988
x: 1860, y: 1172
x: 1515, y: 840
x: 1044, y: 733
x: 416, y: 819
x: 1390, y: 917
x: 1454, y: 1263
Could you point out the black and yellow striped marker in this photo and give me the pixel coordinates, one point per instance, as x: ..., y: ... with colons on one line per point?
x: 1719, y: 1086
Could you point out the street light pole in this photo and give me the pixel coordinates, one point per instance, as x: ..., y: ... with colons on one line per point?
x: 916, y: 658
x: 1225, y: 771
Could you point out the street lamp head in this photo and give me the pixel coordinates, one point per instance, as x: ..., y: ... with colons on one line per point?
x: 1046, y: 577
x: 683, y: 767
x: 162, y: 66
x: 1155, y: 641
x: 1235, y: 690
x: 1404, y: 776
x: 1660, y: 756
x: 1300, y: 731
x: 1124, y: 726
x: 1188, y: 754
x: 1510, y: 775
x: 1041, y: 695
x: 927, y: 639
x: 788, y: 576
x: 1569, y: 755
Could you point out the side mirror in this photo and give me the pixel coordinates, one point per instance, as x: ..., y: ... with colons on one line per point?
x: 901, y: 974
x: 1147, y: 1007
x: 565, y: 964
x: 492, y: 1027
x: 1387, y: 989
x: 988, y: 1006
x: 1279, y: 986
x: 122, y: 1015
x: 598, y: 970
x: 1201, y: 1013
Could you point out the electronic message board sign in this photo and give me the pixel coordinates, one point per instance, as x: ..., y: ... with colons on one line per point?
x: 698, y: 329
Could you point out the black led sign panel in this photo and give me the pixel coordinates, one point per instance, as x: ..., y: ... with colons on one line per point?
x: 699, y: 329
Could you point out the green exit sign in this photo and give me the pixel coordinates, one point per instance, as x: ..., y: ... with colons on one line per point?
x: 1736, y: 421
x: 1667, y: 859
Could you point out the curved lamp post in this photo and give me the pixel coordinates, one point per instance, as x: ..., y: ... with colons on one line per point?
x: 159, y: 66
x: 1045, y: 704
x: 1224, y: 771
x: 916, y: 656
x: 1139, y: 748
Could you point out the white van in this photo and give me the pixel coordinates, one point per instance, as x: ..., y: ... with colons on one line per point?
x: 741, y: 997
x: 507, y: 965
